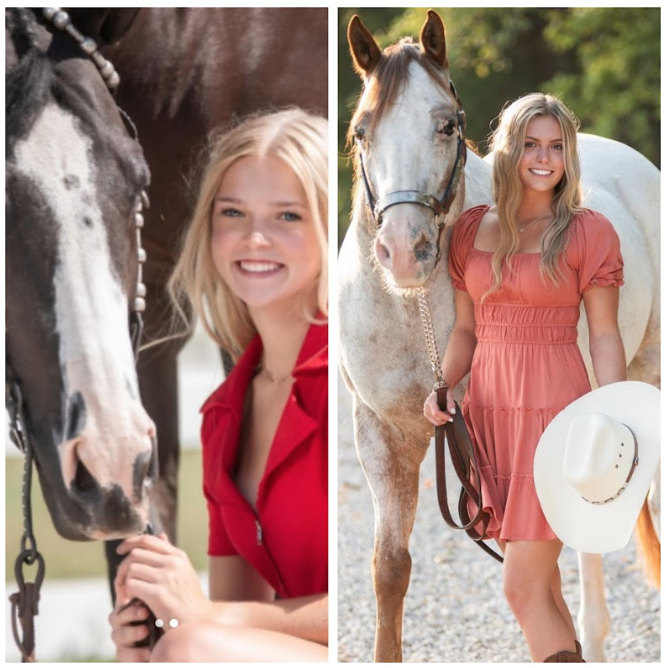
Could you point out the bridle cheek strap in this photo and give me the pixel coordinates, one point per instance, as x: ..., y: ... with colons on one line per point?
x: 440, y: 207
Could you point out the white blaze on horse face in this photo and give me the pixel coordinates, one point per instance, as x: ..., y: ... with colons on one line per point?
x: 406, y: 154
x: 90, y: 308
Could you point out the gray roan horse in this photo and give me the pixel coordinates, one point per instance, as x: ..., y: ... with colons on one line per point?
x: 74, y: 179
x: 406, y: 126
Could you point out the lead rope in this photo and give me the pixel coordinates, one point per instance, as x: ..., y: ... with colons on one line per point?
x: 455, y: 449
x: 431, y: 342
x: 25, y: 602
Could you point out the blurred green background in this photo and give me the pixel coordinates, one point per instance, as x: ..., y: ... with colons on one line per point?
x: 604, y: 63
x: 72, y: 559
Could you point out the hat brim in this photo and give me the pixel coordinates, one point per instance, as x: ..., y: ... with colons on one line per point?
x: 585, y: 526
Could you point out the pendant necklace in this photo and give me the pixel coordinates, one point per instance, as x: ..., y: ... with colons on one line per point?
x: 524, y: 227
x: 274, y: 379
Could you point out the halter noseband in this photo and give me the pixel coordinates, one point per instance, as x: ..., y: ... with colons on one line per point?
x: 439, y: 206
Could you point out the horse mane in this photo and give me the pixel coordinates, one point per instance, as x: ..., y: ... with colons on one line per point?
x: 390, y: 75
x: 29, y: 82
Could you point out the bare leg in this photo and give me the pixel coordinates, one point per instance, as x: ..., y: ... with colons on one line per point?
x: 556, y: 590
x: 224, y: 644
x: 529, y: 567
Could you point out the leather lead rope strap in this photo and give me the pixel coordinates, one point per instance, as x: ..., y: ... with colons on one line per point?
x: 461, y: 451
x: 154, y: 632
x: 25, y: 602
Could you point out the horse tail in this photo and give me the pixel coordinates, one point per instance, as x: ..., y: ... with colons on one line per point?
x: 649, y: 546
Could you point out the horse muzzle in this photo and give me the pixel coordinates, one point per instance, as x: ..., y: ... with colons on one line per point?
x: 406, y: 246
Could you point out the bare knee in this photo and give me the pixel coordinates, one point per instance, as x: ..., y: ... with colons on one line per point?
x: 391, y: 569
x: 521, y: 594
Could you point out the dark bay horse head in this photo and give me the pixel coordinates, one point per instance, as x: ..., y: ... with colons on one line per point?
x: 409, y: 149
x: 74, y: 178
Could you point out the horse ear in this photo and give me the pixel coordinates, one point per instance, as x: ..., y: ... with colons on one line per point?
x: 433, y: 39
x: 106, y: 26
x: 117, y: 24
x: 364, y: 49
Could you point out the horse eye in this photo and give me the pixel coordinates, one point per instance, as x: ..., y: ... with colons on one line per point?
x: 447, y: 127
x: 359, y: 135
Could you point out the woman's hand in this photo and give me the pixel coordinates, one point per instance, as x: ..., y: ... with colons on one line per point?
x: 124, y: 635
x: 162, y: 576
x: 434, y: 414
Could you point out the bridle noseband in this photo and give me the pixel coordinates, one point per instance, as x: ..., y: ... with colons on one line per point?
x: 440, y: 207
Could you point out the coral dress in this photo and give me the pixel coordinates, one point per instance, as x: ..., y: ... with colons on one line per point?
x: 527, y: 365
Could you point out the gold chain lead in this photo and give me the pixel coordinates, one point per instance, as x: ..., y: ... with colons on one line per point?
x: 431, y: 342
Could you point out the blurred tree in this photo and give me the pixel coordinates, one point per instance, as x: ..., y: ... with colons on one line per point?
x: 617, y: 52
x: 602, y: 62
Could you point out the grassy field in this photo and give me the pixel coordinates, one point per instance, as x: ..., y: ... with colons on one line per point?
x: 69, y: 559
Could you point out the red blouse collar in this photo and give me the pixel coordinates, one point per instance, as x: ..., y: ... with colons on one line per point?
x: 312, y: 357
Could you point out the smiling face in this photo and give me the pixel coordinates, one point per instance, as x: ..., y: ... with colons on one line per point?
x: 541, y: 166
x: 264, y: 243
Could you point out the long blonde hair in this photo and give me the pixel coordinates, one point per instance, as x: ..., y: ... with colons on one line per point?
x: 508, y: 145
x: 297, y: 138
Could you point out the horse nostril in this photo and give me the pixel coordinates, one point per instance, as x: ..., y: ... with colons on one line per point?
x: 422, y: 248
x: 83, y: 482
x: 383, y: 252
x: 77, y: 415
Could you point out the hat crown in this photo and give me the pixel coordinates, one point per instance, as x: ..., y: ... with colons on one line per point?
x: 598, y: 456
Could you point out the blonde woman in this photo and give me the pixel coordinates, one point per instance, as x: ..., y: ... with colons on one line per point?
x: 253, y: 269
x: 521, y: 269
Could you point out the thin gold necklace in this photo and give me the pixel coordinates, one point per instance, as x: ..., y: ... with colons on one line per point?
x: 274, y: 379
x: 524, y: 227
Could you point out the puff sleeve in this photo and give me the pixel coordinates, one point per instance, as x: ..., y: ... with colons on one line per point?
x: 462, y: 239
x: 600, y: 261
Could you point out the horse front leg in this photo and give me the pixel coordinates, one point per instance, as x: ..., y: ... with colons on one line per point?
x: 593, y: 617
x: 392, y: 470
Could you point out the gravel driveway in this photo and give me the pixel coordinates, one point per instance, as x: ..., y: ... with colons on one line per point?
x: 443, y: 610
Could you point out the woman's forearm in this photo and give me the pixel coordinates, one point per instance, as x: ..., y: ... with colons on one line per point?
x: 608, y: 359
x: 458, y: 356
x: 305, y: 617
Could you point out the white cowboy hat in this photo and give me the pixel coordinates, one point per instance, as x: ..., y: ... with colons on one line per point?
x: 594, y: 464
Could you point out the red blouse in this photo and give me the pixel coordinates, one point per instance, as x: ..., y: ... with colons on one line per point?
x: 286, y: 540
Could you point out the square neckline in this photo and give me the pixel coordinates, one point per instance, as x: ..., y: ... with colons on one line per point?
x: 485, y: 252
